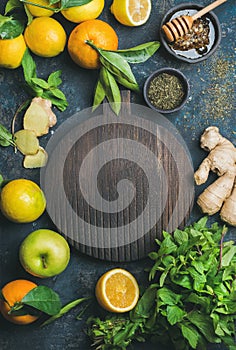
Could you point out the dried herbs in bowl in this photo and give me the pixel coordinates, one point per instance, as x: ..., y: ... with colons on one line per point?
x: 166, y: 90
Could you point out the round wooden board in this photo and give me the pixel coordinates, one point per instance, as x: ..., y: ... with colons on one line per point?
x: 113, y: 184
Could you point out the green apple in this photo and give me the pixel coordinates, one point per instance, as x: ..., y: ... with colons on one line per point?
x: 44, y: 253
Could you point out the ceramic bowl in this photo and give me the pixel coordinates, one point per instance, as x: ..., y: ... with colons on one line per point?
x: 171, y: 71
x: 191, y: 56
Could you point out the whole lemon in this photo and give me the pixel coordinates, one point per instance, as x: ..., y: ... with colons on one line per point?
x: 37, y: 11
x: 85, y: 12
x: 45, y: 37
x: 22, y: 201
x: 12, y: 52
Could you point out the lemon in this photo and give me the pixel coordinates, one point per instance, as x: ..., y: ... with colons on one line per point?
x: 117, y: 291
x: 85, y: 12
x: 12, y: 52
x: 45, y: 37
x: 22, y: 201
x: 37, y: 11
x: 131, y: 12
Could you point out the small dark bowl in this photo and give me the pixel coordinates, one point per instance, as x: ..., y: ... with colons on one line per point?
x: 171, y: 71
x: 214, y: 27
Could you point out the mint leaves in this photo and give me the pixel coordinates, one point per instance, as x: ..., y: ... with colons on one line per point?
x: 39, y: 87
x: 191, y: 303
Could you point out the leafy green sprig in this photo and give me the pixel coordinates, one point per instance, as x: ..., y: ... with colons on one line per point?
x: 192, y: 301
x: 62, y: 4
x: 115, y: 69
x: 39, y: 87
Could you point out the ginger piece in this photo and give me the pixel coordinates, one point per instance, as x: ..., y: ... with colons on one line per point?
x: 39, y: 116
x: 221, y: 158
x: 222, y: 161
x: 26, y: 141
x: 47, y: 106
x: 213, y: 197
x: 228, y: 211
x: 37, y: 160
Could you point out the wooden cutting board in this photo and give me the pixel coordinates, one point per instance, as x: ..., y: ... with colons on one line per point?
x: 113, y: 184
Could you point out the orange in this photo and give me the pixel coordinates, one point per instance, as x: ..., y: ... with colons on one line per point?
x: 85, y: 12
x: 37, y: 11
x: 117, y: 291
x: 12, y: 52
x: 100, y: 33
x: 13, y: 292
x: 131, y: 12
x: 22, y: 201
x: 45, y: 37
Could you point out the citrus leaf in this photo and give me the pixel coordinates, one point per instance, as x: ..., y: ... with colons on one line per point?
x: 10, y: 28
x: 72, y: 3
x: 54, y: 79
x: 64, y: 310
x: 111, y: 89
x: 12, y: 5
x: 99, y: 95
x: 140, y: 53
x: 117, y: 65
x: 44, y: 299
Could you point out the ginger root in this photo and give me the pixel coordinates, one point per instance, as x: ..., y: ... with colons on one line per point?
x: 221, y: 194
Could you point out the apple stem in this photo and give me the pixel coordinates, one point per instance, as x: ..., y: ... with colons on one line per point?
x: 44, y: 262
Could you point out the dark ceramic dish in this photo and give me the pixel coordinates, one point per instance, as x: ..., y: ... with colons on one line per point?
x: 190, y: 56
x: 170, y: 71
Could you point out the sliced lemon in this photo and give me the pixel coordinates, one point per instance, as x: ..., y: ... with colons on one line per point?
x: 117, y: 291
x: 131, y: 12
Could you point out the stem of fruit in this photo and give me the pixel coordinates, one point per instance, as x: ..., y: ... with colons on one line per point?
x: 90, y: 43
x: 17, y: 306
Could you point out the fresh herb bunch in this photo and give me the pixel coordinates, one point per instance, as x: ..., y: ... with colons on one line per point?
x: 39, y: 87
x: 115, y: 69
x: 192, y: 301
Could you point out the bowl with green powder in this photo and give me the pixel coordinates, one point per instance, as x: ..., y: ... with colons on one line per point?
x: 166, y: 90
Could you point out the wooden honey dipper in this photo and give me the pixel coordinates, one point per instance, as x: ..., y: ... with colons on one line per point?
x: 181, y: 25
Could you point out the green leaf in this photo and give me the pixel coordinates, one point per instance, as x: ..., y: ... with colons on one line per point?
x: 228, y: 256
x: 54, y: 79
x: 64, y: 310
x: 180, y: 237
x: 168, y: 296
x: 140, y: 53
x: 174, y: 314
x: 12, y: 5
x: 145, y: 304
x: 44, y: 299
x: 29, y: 67
x: 10, y: 28
x: 191, y: 335
x: 116, y: 65
x: 61, y: 104
x: 99, y: 95
x: 6, y: 138
x: 72, y: 3
x: 111, y: 89
x: 40, y: 82
x: 204, y: 323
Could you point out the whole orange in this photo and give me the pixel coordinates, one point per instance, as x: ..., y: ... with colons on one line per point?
x: 22, y: 201
x: 13, y: 292
x: 100, y: 33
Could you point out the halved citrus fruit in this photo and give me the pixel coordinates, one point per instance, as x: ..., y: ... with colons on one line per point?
x: 117, y: 291
x: 131, y: 12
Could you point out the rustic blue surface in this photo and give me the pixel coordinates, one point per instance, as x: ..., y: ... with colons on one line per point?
x: 210, y: 103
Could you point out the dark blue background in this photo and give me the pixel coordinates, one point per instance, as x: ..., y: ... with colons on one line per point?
x: 80, y: 277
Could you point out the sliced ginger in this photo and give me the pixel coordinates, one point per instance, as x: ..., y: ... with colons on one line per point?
x: 221, y: 194
x: 26, y: 142
x: 36, y: 119
x: 37, y: 160
x: 39, y: 116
